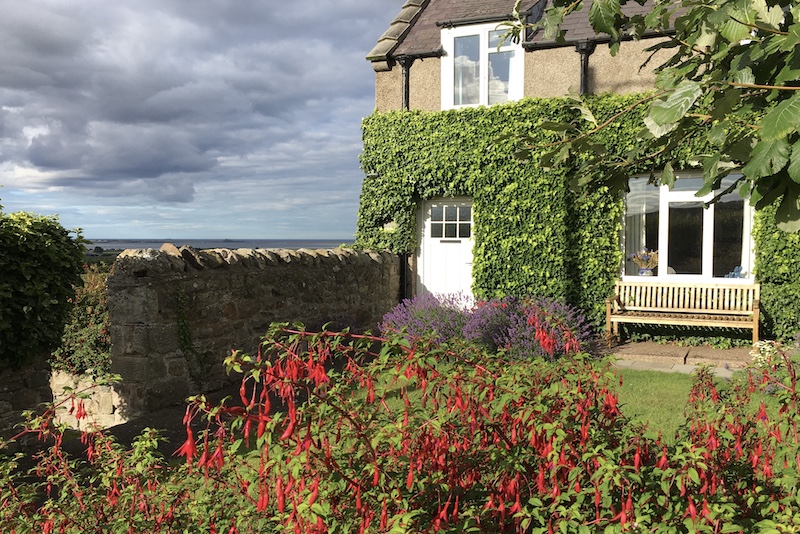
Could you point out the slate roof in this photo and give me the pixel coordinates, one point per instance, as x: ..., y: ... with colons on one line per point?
x: 414, y: 31
x: 577, y: 26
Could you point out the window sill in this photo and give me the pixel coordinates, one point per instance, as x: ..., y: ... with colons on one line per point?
x: 687, y: 279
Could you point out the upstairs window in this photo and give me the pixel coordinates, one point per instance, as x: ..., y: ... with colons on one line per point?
x: 693, y: 242
x: 475, y: 71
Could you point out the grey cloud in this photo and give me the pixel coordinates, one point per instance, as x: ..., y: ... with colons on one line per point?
x: 158, y: 100
x: 52, y: 152
x: 147, y: 152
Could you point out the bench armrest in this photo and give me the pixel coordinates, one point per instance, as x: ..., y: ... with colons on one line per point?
x: 613, y: 304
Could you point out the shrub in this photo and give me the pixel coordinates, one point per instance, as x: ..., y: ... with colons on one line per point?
x: 40, y: 265
x: 441, y: 317
x: 490, y: 320
x: 404, y: 440
x: 529, y: 327
x: 86, y: 343
x: 558, y: 329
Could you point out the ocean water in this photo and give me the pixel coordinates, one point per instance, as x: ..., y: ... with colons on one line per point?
x: 122, y: 244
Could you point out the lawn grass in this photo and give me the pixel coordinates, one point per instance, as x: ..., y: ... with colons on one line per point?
x: 656, y: 398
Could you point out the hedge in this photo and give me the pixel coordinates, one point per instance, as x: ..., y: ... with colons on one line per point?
x: 41, y: 263
x: 778, y: 270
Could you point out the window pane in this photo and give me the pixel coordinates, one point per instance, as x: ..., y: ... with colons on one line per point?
x: 499, y: 76
x: 466, y: 81
x: 464, y: 230
x: 450, y: 213
x: 641, y: 221
x: 465, y: 213
x: 450, y: 230
x: 686, y: 237
x: 688, y: 184
x: 495, y: 40
x: 437, y: 230
x: 437, y: 213
x: 728, y: 230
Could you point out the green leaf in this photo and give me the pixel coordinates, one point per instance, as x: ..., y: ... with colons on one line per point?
x: 794, y: 163
x: 782, y: 120
x: 586, y: 113
x: 792, y: 39
x: 677, y: 104
x: 768, y: 158
x: 787, y: 215
x: 744, y: 75
x: 771, y: 16
x: 657, y: 130
x: 668, y: 175
x: 717, y: 135
x: 733, y: 30
x: 603, y: 16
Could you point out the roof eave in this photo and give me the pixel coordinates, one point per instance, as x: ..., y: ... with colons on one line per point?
x: 380, y: 55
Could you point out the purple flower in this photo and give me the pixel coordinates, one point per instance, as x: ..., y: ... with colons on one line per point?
x: 441, y: 316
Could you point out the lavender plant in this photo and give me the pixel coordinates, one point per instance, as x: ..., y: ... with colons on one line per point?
x: 523, y: 327
x: 547, y: 328
x: 440, y: 316
x: 489, y: 321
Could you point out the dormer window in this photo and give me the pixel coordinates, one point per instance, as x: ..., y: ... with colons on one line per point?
x: 475, y: 71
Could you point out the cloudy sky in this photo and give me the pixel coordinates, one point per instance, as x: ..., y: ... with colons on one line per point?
x: 187, y: 118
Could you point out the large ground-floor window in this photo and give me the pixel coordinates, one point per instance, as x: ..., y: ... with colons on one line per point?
x: 692, y: 240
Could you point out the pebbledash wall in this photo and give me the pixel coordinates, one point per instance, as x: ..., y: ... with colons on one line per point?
x: 177, y: 313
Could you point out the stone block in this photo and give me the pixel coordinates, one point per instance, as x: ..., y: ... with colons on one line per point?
x: 134, y: 369
x: 38, y: 379
x: 177, y: 367
x: 27, y: 399
x: 128, y: 339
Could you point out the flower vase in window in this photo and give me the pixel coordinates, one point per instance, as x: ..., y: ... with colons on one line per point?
x: 646, y: 260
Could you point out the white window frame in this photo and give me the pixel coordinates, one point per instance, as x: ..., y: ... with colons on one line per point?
x: 668, y: 196
x: 516, y: 69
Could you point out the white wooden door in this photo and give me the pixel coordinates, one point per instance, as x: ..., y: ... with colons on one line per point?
x: 444, y: 261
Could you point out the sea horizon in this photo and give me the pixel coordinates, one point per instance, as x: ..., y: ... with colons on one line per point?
x: 125, y: 244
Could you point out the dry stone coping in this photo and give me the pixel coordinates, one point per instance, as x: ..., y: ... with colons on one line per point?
x: 147, y: 262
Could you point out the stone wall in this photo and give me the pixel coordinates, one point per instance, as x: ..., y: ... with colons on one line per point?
x: 102, y: 406
x: 177, y: 313
x: 22, y: 389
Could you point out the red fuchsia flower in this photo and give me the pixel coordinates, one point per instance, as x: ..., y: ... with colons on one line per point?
x: 189, y: 447
x: 663, y: 462
x: 692, y: 511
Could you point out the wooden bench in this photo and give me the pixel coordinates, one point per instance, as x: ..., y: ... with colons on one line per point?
x: 715, y: 305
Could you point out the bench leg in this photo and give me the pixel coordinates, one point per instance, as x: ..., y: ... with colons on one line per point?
x: 612, y: 333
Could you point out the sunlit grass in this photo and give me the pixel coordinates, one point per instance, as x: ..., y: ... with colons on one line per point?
x: 656, y: 398
x: 659, y: 399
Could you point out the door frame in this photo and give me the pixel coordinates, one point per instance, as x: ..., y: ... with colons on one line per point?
x: 422, y: 226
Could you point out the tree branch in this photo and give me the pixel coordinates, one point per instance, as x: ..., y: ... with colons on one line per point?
x: 760, y: 86
x: 757, y: 27
x: 609, y: 121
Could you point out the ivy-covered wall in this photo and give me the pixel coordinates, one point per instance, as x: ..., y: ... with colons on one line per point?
x: 533, y: 235
x: 778, y: 271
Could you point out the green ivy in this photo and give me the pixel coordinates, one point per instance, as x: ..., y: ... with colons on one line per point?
x: 533, y: 234
x: 86, y: 343
x: 777, y: 269
x: 40, y: 264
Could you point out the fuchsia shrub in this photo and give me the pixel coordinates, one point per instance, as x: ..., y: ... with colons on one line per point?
x: 414, y: 437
